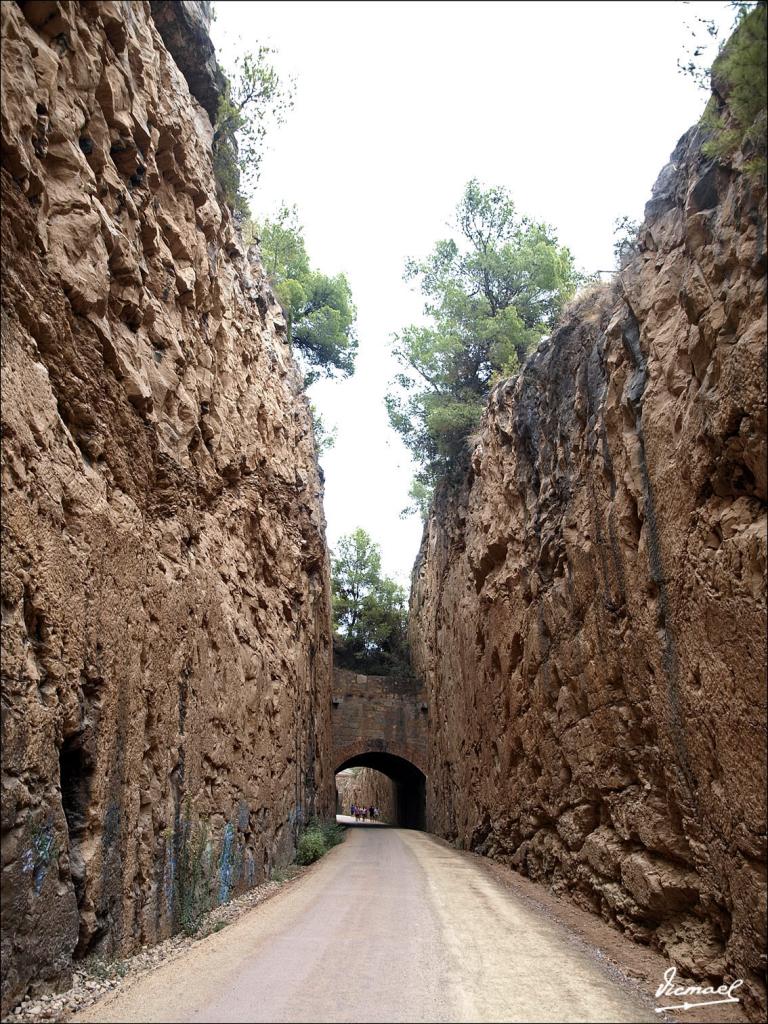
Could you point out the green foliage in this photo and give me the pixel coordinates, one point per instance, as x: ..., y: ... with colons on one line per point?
x: 105, y: 968
x: 735, y: 117
x: 253, y: 101
x: 281, y: 875
x: 317, y: 839
x: 333, y: 833
x: 319, y: 309
x: 492, y: 291
x: 369, y: 610
x: 325, y: 439
x: 420, y: 493
x: 311, y: 846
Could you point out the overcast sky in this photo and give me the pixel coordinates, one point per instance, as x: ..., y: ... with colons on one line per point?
x: 574, y: 107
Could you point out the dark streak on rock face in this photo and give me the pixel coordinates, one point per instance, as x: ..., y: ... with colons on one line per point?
x: 153, y: 434
x: 184, y: 25
x: 588, y: 609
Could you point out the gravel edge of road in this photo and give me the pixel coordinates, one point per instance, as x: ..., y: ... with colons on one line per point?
x: 635, y: 968
x: 625, y: 962
x: 97, y: 977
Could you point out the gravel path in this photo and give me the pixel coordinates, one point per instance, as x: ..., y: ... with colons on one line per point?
x: 390, y: 926
x: 96, y: 977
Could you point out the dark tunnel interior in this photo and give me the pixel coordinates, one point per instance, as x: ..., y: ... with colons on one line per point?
x: 410, y: 784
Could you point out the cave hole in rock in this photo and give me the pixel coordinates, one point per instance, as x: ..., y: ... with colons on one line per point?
x: 75, y: 777
x: 408, y: 786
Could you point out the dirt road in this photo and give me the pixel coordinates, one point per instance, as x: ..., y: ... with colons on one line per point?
x: 389, y: 926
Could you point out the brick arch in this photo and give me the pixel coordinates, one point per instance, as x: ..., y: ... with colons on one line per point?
x: 378, y: 714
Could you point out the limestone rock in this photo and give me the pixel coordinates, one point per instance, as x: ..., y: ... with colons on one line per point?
x: 588, y: 607
x: 166, y: 614
x: 184, y: 26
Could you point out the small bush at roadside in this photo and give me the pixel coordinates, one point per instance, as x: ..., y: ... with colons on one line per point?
x: 317, y: 839
x: 333, y: 833
x: 311, y: 846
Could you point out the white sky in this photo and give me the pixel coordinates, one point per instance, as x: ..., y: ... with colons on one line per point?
x: 575, y: 107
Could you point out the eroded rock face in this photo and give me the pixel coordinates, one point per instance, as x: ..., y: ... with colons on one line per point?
x: 165, y: 598
x: 588, y: 608
x: 184, y: 26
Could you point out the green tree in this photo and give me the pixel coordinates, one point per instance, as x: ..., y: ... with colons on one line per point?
x: 254, y: 100
x: 369, y: 610
x: 735, y: 117
x: 492, y: 291
x: 420, y: 494
x: 319, y: 309
x: 325, y: 438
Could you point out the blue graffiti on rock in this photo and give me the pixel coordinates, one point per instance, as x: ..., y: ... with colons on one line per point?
x: 37, y: 858
x: 226, y: 864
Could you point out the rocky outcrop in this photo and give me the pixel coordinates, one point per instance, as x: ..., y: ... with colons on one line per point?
x: 165, y: 597
x: 365, y: 787
x: 588, y: 606
x: 184, y: 27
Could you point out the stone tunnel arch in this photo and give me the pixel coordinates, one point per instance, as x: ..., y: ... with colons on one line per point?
x: 381, y: 722
x: 408, y: 779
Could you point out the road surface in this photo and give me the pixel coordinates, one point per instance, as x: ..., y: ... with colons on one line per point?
x: 389, y: 926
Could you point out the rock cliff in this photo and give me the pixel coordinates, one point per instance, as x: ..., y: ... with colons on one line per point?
x: 165, y: 598
x: 588, y: 606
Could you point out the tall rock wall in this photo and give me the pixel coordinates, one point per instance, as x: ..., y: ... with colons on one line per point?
x: 165, y: 595
x: 588, y: 606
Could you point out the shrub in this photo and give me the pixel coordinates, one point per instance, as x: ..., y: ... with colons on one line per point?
x: 738, y: 121
x: 317, y: 839
x: 333, y: 833
x: 735, y: 118
x: 311, y: 846
x: 281, y: 875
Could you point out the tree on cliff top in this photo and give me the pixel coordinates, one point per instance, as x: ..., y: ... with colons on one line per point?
x: 254, y: 100
x: 736, y: 117
x: 319, y: 309
x: 369, y: 610
x: 492, y: 291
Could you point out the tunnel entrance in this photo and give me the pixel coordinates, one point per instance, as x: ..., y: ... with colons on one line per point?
x: 409, y: 782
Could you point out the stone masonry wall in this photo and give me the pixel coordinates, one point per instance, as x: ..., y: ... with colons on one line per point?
x: 588, y: 607
x: 165, y: 594
x: 379, y: 714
